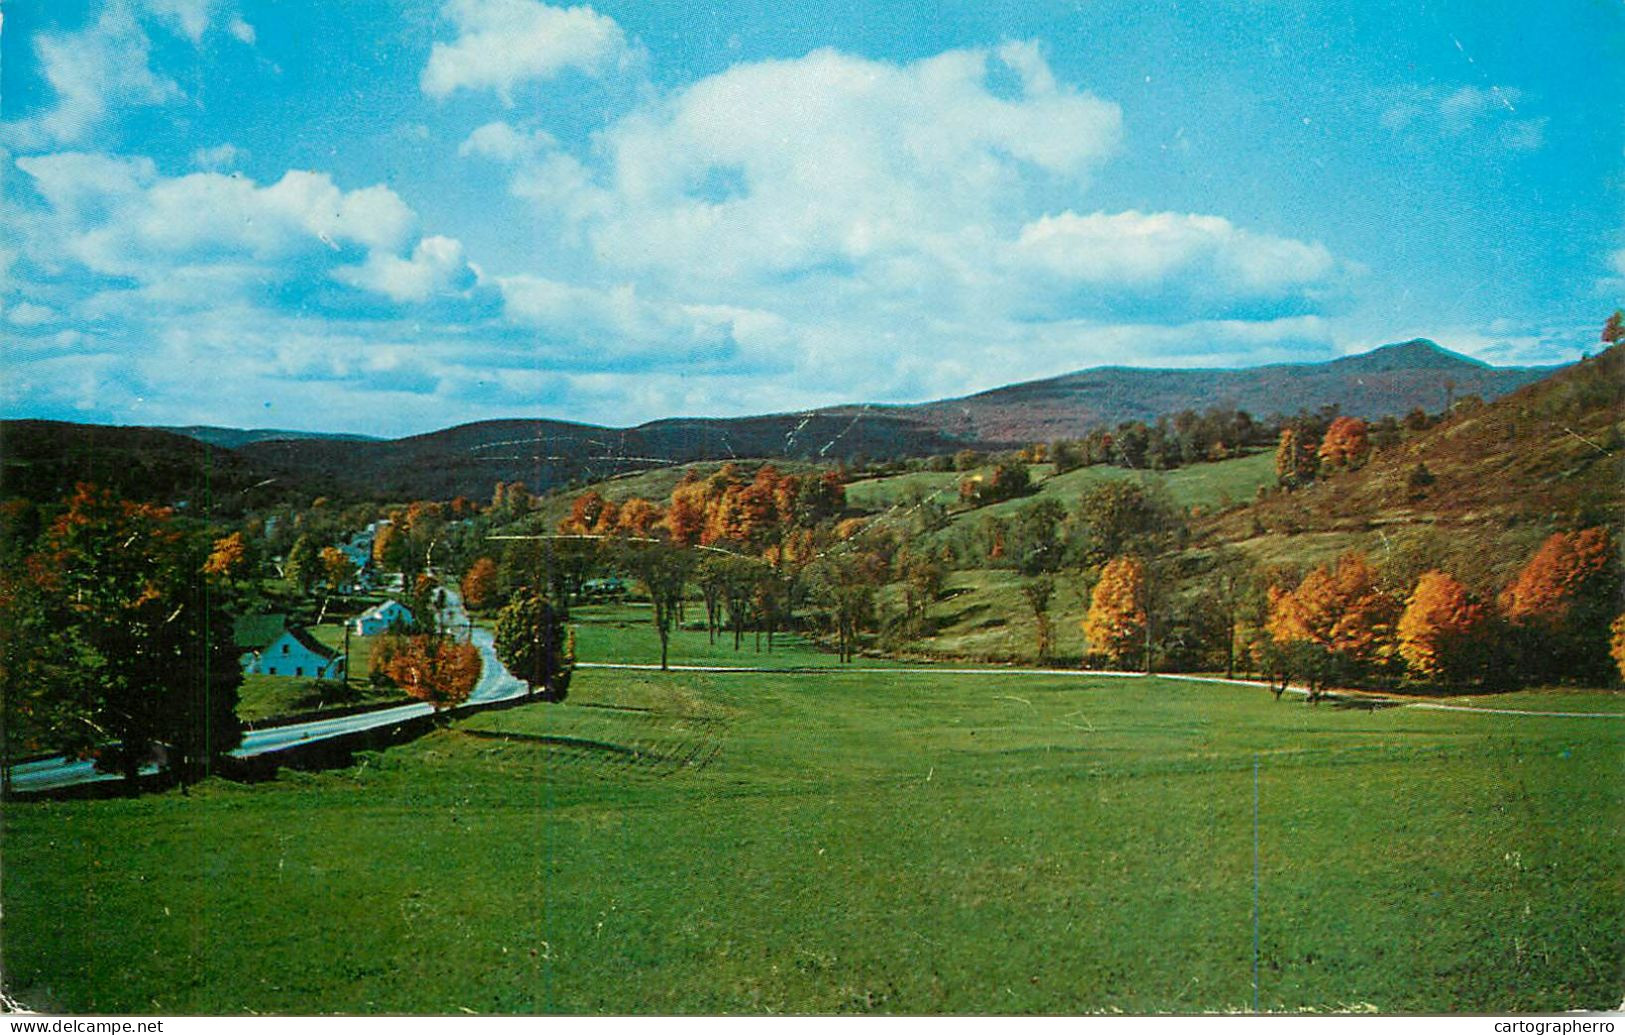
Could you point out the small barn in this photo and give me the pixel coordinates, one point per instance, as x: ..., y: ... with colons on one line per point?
x: 296, y: 653
x: 380, y: 618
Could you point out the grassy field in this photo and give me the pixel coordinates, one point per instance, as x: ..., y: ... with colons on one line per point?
x: 265, y: 697
x: 1200, y: 485
x: 854, y: 841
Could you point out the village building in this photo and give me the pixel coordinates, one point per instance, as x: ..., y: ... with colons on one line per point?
x: 296, y: 653
x: 381, y: 618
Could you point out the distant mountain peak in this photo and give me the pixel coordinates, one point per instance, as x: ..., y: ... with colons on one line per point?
x: 1416, y: 354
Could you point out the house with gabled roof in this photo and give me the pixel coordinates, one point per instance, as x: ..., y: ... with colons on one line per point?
x: 381, y: 618
x: 296, y: 653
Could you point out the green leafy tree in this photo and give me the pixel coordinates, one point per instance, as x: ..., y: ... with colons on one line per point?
x: 662, y: 571
x: 535, y: 645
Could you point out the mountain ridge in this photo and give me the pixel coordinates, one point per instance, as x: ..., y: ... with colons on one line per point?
x: 467, y: 459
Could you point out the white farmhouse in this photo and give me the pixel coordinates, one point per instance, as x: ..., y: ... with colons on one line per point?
x: 296, y: 653
x: 380, y: 617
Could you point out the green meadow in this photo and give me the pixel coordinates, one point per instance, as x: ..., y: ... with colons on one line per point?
x: 855, y: 840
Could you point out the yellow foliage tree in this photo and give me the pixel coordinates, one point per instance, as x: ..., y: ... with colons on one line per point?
x: 1115, y: 624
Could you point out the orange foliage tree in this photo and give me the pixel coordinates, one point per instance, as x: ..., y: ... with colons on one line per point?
x: 1442, y: 630
x: 337, y: 568
x: 1557, y: 576
x: 1616, y: 644
x: 228, y: 558
x: 1115, y: 625
x: 1337, y: 623
x: 479, y: 583
x: 1346, y: 443
x: 435, y: 669
x: 1560, y: 603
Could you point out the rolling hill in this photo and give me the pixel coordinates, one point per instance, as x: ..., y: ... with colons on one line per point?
x: 468, y: 459
x: 1481, y: 487
x: 1390, y: 380
x: 41, y: 460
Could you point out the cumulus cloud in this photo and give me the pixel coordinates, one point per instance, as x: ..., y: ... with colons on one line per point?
x: 776, y: 168
x: 436, y: 266
x: 28, y: 314
x: 187, y: 239
x: 242, y: 31
x: 1135, y: 249
x: 503, y: 44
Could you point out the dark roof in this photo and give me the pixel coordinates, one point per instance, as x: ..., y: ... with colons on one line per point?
x: 312, y: 644
x: 255, y: 631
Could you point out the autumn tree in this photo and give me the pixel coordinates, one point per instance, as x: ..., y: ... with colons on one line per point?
x: 139, y: 662
x: 431, y: 668
x: 1560, y: 604
x: 532, y: 641
x: 303, y: 566
x: 1616, y: 639
x: 337, y: 568
x: 1346, y: 443
x: 1441, y: 632
x: 1338, y: 623
x: 1613, y: 331
x: 1295, y: 457
x: 480, y: 584
x: 228, y: 557
x: 1115, y: 627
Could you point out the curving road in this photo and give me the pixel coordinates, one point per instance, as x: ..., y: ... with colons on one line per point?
x: 496, y: 684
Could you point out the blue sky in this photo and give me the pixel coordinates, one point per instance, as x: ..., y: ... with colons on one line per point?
x: 389, y: 216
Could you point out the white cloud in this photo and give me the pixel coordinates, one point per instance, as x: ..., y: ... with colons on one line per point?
x: 103, y: 66
x: 214, y: 159
x: 1148, y: 249
x: 241, y: 30
x: 207, y: 237
x: 502, y: 44
x: 501, y: 142
x: 615, y: 320
x: 190, y: 17
x: 436, y: 266
x: 1468, y: 114
x: 28, y: 314
x: 129, y: 217
x: 776, y: 168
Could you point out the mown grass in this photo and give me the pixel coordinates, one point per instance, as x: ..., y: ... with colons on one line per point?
x: 854, y: 841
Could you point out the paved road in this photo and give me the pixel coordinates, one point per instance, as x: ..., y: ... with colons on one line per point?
x: 496, y: 684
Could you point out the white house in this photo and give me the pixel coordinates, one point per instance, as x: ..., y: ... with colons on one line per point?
x: 295, y: 653
x: 380, y: 617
